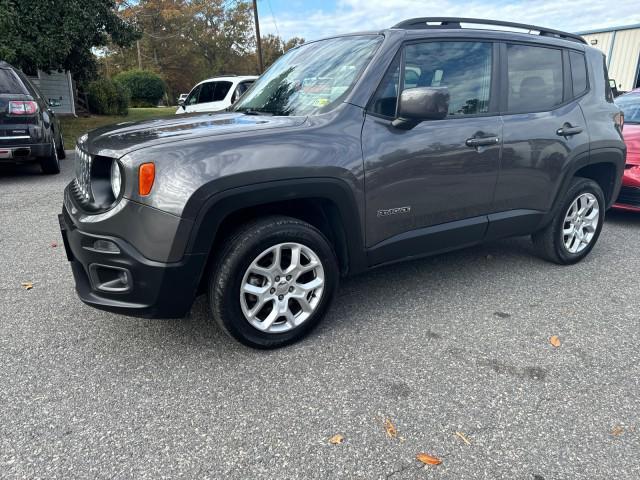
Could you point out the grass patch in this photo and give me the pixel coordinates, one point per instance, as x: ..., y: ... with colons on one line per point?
x: 72, y: 127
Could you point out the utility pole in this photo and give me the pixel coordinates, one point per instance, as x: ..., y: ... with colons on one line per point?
x: 139, y: 55
x: 258, y: 41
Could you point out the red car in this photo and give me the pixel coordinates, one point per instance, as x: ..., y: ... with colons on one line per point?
x: 629, y: 198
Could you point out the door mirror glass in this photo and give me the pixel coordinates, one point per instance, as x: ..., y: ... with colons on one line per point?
x: 422, y: 103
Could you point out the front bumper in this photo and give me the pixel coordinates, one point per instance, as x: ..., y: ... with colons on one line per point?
x: 123, y: 280
x: 629, y: 197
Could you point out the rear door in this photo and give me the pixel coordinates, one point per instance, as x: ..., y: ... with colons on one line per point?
x: 544, y: 128
x: 430, y: 188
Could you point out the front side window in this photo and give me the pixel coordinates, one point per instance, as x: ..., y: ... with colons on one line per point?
x: 222, y: 88
x: 535, y: 78
x: 311, y: 79
x: 192, y: 99
x: 463, y: 67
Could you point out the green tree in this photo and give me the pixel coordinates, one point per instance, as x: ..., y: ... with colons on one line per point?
x: 145, y: 87
x: 273, y: 47
x: 53, y: 34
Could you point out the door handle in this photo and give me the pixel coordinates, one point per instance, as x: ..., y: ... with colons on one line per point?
x: 567, y: 130
x: 481, y: 141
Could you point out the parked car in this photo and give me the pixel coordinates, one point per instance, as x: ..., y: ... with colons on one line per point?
x: 182, y: 98
x: 335, y: 162
x: 29, y: 129
x: 215, y: 94
x: 629, y: 198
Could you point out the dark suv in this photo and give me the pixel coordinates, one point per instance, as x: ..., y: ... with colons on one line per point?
x: 348, y: 153
x: 29, y: 129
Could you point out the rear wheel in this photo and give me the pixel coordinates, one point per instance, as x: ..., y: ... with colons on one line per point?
x: 61, y: 153
x: 51, y: 164
x: 576, y: 225
x: 273, y: 282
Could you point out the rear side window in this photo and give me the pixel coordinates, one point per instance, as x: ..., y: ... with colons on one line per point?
x: 535, y: 78
x: 10, y: 83
x: 578, y: 73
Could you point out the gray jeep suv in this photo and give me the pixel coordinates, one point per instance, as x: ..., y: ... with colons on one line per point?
x: 348, y: 153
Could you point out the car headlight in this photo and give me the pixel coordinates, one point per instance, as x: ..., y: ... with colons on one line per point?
x: 116, y: 179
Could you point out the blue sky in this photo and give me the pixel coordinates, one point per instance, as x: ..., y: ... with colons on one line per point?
x: 315, y: 19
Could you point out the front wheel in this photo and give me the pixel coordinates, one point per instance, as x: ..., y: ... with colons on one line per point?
x: 273, y: 282
x: 576, y: 225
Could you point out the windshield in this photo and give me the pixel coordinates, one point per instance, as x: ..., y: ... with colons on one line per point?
x: 310, y: 79
x: 630, y: 106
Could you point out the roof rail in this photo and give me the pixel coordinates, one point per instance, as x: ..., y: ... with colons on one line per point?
x: 454, y: 22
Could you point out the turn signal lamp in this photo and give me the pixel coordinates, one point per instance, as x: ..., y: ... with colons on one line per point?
x: 146, y: 176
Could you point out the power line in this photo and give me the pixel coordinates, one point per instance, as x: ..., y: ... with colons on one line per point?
x: 273, y: 17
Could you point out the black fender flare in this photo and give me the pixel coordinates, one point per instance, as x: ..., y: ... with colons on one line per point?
x: 611, y: 155
x: 219, y: 206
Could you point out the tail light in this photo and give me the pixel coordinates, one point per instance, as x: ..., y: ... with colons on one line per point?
x: 19, y: 107
x: 618, y: 118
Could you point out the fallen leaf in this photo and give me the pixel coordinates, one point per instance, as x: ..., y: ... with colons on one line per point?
x: 27, y: 285
x: 54, y: 244
x: 336, y: 439
x: 428, y: 459
x: 617, y: 430
x: 392, y: 432
x: 555, y: 341
x: 463, y: 437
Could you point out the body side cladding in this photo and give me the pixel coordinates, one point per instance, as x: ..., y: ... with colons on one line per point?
x: 429, y: 241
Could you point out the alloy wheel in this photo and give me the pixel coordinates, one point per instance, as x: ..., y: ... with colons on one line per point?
x: 581, y: 223
x: 282, y: 287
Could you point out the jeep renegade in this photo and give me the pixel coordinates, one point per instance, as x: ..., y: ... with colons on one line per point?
x: 348, y: 153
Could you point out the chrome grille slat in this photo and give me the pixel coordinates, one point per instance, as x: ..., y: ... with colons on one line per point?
x: 83, y: 175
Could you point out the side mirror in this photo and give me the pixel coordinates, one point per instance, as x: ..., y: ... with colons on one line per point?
x: 421, y: 103
x: 181, y: 103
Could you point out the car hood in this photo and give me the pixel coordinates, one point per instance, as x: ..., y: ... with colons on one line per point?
x: 119, y: 139
x: 631, y: 134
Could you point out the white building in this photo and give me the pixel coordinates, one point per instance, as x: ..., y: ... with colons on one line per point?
x: 621, y: 45
x: 56, y: 86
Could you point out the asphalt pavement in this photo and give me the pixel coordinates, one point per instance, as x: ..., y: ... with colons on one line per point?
x: 454, y: 343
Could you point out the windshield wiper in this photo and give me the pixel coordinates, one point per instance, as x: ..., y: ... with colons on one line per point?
x: 251, y: 111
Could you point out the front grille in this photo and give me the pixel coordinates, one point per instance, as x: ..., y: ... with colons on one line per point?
x: 82, y: 185
x: 629, y: 196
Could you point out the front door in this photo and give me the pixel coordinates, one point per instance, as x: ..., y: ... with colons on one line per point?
x: 430, y: 188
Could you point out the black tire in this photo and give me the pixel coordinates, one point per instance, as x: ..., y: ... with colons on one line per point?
x: 51, y: 164
x: 549, y: 241
x: 61, y: 152
x: 239, y: 250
